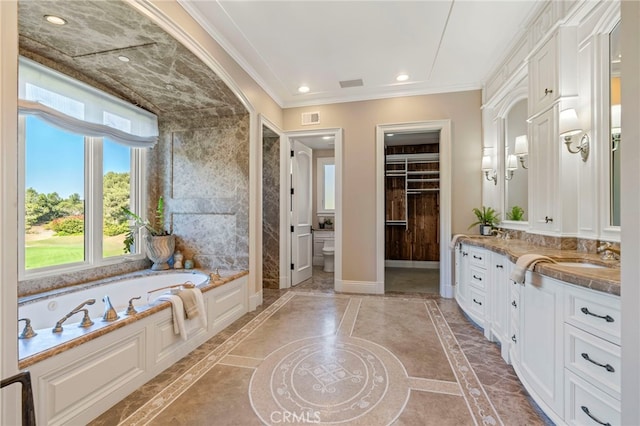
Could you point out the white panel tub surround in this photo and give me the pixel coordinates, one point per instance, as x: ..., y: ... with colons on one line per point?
x: 78, y: 384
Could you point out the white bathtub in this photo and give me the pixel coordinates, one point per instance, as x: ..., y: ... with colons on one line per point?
x: 48, y: 309
x: 80, y: 373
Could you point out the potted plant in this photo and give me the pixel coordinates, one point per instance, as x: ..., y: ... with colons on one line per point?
x: 487, y: 217
x: 516, y: 213
x: 328, y: 223
x: 160, y: 243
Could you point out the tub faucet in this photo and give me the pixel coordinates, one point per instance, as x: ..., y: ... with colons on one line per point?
x: 86, y: 320
x: 608, y: 252
x: 28, y: 332
x: 110, y: 313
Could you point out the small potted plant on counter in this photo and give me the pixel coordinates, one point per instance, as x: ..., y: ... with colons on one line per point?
x: 160, y: 243
x: 487, y: 217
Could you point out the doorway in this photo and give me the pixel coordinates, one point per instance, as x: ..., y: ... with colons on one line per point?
x: 314, y: 208
x: 412, y: 199
x: 413, y: 207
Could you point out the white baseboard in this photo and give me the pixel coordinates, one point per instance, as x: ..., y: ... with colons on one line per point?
x: 255, y: 300
x: 366, y: 287
x: 422, y: 264
x: 284, y: 282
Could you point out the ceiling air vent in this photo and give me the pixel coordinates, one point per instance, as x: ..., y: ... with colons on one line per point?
x: 351, y: 83
x: 310, y: 118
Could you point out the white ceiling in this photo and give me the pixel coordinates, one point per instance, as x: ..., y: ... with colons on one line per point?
x: 444, y: 45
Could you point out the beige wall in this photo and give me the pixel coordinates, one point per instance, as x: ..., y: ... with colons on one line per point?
x: 359, y: 120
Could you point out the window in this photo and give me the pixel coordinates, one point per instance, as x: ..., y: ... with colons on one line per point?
x: 77, y: 175
x: 326, y: 185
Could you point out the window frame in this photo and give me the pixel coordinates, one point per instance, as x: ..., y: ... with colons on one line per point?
x: 321, y: 162
x: 93, y: 198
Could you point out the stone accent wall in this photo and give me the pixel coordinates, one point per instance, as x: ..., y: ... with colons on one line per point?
x: 271, y: 212
x: 201, y: 167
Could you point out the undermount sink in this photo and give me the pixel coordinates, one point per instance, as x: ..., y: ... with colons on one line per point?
x: 581, y: 265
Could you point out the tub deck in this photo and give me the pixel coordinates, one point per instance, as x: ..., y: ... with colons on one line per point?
x: 47, y: 344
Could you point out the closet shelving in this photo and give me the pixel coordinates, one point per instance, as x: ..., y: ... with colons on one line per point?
x: 420, y: 174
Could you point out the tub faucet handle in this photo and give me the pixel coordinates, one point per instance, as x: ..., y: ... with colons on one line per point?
x: 28, y: 332
x: 131, y: 310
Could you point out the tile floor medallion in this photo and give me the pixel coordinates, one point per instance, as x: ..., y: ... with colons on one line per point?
x: 313, y: 358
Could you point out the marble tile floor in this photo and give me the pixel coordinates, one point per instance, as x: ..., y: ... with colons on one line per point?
x: 394, y: 324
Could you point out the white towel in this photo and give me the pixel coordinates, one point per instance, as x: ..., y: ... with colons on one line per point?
x: 527, y: 261
x: 181, y: 325
x: 454, y: 240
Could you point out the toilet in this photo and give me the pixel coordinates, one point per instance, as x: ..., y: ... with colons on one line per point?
x: 327, y: 255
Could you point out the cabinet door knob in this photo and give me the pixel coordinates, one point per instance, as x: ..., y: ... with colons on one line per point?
x: 607, y: 367
x: 514, y: 304
x: 595, y: 419
x: 607, y: 318
x: 548, y: 219
x: 548, y: 91
x: 514, y: 339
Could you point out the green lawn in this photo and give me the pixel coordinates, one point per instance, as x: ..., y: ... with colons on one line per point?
x: 62, y: 250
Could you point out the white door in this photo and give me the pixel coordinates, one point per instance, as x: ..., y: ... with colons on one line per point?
x: 301, y: 237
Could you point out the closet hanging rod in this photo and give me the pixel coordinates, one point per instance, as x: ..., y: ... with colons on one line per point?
x: 417, y: 190
x: 423, y: 180
x: 411, y: 158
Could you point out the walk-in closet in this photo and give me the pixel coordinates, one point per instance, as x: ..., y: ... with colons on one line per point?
x: 412, y: 213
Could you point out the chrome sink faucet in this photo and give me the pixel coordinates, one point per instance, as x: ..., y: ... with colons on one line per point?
x: 86, y: 320
x: 608, y: 252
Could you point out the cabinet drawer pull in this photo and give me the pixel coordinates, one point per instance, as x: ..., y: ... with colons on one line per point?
x: 475, y: 301
x: 548, y: 91
x: 595, y: 419
x: 500, y: 266
x: 477, y: 257
x: 514, y: 304
x: 607, y: 367
x: 477, y: 278
x: 514, y: 339
x: 607, y: 318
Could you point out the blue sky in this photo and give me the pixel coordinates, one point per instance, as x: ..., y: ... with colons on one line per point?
x: 54, y: 159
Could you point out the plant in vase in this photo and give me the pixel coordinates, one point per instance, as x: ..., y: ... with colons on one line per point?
x: 160, y: 243
x: 488, y: 219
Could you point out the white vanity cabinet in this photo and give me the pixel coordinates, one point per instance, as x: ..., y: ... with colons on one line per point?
x: 540, y: 361
x: 592, y: 357
x: 501, y: 292
x: 473, y: 281
x: 461, y: 280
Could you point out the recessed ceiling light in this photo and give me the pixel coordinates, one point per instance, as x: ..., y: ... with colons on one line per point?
x: 402, y: 77
x: 55, y: 20
x: 124, y: 58
x: 390, y: 134
x: 326, y: 138
x: 303, y: 89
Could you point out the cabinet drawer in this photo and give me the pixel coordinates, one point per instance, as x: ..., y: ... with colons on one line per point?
x: 586, y: 405
x: 593, y: 359
x: 594, y: 312
x: 477, y: 302
x: 478, y: 257
x: 478, y: 277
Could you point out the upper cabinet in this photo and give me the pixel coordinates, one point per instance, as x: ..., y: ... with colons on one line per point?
x: 568, y: 59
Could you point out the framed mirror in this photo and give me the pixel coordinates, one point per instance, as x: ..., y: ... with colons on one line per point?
x: 615, y: 127
x: 516, y: 175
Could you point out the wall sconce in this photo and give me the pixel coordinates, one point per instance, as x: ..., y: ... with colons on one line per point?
x: 487, y: 168
x: 569, y: 126
x: 521, y: 149
x: 616, y: 126
x: 512, y: 166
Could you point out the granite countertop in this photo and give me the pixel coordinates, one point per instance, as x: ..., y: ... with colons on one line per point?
x: 605, y: 279
x: 47, y: 344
